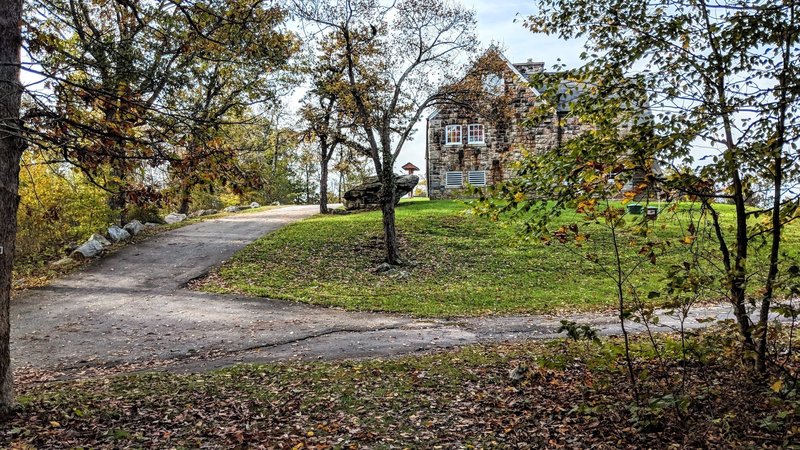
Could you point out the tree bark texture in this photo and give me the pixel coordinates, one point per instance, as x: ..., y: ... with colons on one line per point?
x: 11, y: 146
x: 323, y: 188
x: 738, y: 278
x: 117, y: 200
x: 387, y: 209
x: 772, y: 275
x: 186, y: 199
x: 778, y: 140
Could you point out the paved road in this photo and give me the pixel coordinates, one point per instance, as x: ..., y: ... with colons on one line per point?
x: 132, y: 308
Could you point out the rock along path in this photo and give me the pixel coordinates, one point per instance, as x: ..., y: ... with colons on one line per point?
x: 132, y: 308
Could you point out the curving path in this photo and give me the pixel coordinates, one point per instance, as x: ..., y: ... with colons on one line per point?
x: 131, y: 310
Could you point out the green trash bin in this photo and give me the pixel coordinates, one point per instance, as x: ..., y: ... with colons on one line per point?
x: 634, y: 208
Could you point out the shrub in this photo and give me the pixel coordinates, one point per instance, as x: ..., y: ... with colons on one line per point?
x: 59, y: 208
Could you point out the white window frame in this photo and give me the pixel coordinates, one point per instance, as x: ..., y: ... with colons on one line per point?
x: 479, y: 176
x: 474, y: 126
x: 456, y: 174
x: 447, y: 129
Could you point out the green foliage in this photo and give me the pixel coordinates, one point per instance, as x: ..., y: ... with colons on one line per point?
x: 58, y: 208
x: 137, y: 86
x: 578, y: 332
x: 721, y: 75
x: 652, y: 417
x: 145, y: 213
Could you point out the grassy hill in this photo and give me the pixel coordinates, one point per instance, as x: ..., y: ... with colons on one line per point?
x: 462, y: 265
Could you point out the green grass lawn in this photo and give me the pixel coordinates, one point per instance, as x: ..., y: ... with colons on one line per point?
x: 462, y: 265
x: 569, y: 395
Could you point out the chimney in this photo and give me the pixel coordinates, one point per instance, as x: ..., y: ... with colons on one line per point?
x: 530, y: 67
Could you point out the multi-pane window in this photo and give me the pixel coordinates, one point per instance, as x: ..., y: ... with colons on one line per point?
x: 453, y: 179
x: 452, y: 134
x: 475, y: 134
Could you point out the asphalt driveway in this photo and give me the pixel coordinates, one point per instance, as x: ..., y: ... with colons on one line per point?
x: 131, y: 310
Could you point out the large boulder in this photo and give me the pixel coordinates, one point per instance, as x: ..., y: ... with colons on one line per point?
x: 118, y: 234
x: 100, y: 238
x: 367, y: 195
x: 232, y: 209
x: 134, y: 227
x: 255, y: 205
x: 90, y: 248
x: 203, y: 212
x: 174, y: 218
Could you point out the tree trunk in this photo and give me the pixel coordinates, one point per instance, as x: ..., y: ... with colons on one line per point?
x: 308, y: 187
x: 738, y: 278
x: 117, y: 201
x: 185, y: 193
x: 185, y: 184
x: 275, y: 153
x: 11, y: 146
x: 341, y: 185
x: 323, y: 187
x: 183, y: 208
x: 387, y: 208
x: 772, y: 275
x: 117, y: 152
x: 777, y: 184
x: 619, y: 280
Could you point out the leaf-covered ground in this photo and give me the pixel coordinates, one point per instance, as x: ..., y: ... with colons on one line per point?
x: 555, y: 395
x: 462, y: 265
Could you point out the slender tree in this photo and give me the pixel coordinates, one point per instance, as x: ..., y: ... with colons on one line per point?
x: 11, y: 147
x: 323, y: 111
x: 395, y: 56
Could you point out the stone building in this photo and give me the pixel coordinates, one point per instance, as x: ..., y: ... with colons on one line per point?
x: 465, y: 147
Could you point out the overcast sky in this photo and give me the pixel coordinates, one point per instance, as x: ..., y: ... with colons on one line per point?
x: 496, y: 25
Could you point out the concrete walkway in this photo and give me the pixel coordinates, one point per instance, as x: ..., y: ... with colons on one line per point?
x: 132, y: 308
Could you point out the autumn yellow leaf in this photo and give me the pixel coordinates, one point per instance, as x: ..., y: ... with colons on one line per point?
x: 628, y: 197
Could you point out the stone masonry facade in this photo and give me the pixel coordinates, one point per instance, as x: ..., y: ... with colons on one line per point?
x: 464, y: 148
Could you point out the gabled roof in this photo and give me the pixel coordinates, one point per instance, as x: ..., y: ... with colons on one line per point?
x: 512, y: 67
x: 409, y: 166
x: 570, y: 90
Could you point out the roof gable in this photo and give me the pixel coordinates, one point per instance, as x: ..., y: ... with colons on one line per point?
x: 494, y: 51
